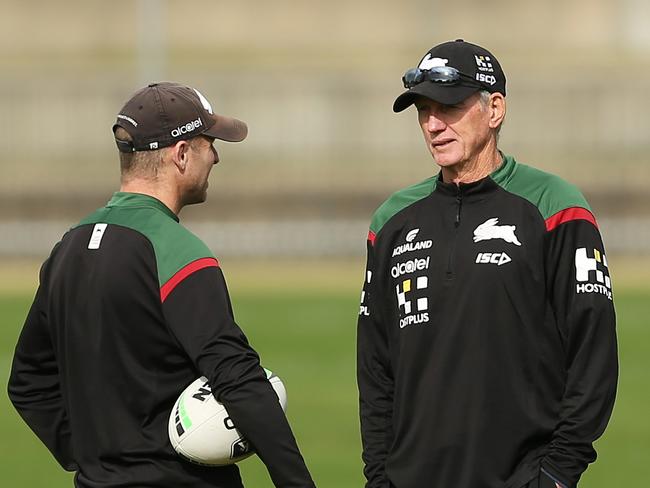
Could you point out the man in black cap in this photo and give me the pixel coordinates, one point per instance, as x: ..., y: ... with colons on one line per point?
x: 486, y: 345
x: 132, y: 308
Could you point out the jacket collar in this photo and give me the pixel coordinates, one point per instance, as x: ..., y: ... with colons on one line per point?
x: 480, y: 187
x: 139, y: 200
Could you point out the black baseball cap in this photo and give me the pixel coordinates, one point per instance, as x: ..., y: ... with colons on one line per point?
x: 478, y: 70
x: 161, y: 114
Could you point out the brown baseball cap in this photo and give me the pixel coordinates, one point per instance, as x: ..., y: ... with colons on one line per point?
x: 161, y: 114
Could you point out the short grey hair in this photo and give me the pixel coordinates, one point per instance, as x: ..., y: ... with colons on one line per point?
x: 484, y: 97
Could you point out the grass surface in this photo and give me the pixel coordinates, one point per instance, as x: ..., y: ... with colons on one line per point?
x: 306, y: 334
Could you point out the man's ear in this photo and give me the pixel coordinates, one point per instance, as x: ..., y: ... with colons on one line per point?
x: 178, y: 154
x: 497, y: 107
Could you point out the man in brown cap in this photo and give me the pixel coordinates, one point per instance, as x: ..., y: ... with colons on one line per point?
x: 132, y: 308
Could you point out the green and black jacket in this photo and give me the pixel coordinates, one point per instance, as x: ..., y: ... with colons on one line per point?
x: 131, y: 308
x: 486, y: 336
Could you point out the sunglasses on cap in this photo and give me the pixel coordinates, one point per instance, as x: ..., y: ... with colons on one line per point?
x: 444, y: 75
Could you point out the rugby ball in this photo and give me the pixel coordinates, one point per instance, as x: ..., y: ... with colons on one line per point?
x: 201, y: 431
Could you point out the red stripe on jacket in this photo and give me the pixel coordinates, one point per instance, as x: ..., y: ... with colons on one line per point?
x: 568, y: 214
x: 371, y: 237
x: 183, y: 273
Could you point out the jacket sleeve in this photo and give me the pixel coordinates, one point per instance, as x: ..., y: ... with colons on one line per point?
x: 581, y: 295
x: 200, y: 316
x: 34, y: 383
x: 374, y: 379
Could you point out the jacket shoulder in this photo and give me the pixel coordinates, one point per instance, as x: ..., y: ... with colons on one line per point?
x: 174, y: 245
x: 399, y: 200
x: 548, y: 192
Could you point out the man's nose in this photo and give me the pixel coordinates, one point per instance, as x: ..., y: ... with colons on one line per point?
x: 434, y: 123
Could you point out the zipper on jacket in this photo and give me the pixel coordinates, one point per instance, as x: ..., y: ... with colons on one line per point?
x: 452, y: 247
x: 459, y: 205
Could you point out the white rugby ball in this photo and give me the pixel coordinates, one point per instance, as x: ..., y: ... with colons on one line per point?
x: 201, y: 430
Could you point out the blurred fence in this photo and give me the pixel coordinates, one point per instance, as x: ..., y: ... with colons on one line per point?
x: 323, y: 151
x: 325, y: 132
x: 315, y: 82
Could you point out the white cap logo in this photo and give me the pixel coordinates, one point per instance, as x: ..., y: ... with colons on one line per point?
x: 204, y: 102
x: 428, y: 62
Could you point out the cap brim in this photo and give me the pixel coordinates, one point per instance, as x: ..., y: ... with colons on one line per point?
x: 227, y: 129
x: 447, y: 95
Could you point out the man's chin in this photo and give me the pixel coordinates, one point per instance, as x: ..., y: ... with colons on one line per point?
x: 446, y: 155
x: 194, y: 199
x: 445, y: 160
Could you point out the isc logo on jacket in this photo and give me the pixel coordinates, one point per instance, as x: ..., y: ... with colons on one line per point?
x: 498, y: 258
x: 490, y: 230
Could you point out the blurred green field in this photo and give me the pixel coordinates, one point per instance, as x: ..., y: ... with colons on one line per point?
x: 302, y: 322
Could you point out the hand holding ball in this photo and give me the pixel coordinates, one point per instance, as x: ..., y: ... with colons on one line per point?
x: 201, y: 430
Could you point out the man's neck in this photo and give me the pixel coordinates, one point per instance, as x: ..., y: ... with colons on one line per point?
x: 155, y: 189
